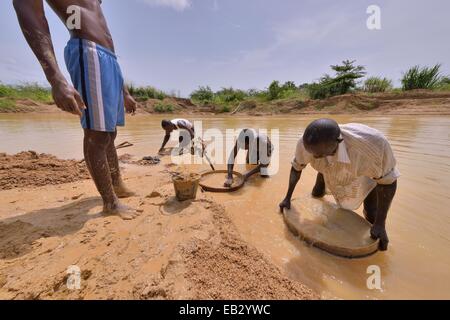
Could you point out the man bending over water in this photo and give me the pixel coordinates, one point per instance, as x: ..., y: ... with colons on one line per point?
x: 98, y: 95
x: 259, y: 151
x: 355, y: 163
x: 187, y: 133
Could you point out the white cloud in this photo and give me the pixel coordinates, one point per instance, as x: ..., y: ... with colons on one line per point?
x: 179, y: 5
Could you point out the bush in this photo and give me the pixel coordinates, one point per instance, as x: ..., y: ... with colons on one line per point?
x: 343, y: 82
x: 6, y: 91
x: 289, y: 85
x: 30, y: 91
x: 445, y: 80
x: 376, y: 84
x: 229, y: 95
x: 162, y: 107
x: 444, y: 84
x: 203, y: 95
x: 346, y: 76
x: 145, y: 93
x: 322, y: 90
x: 35, y: 92
x: 225, y: 109
x: 277, y: 91
x: 421, y: 78
x: 274, y: 90
x: 7, y: 104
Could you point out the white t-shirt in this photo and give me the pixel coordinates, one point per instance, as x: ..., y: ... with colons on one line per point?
x: 182, y: 122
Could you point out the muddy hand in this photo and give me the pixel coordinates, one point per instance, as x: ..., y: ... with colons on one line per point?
x: 67, y: 98
x: 130, y: 103
x: 286, y: 203
x: 378, y: 232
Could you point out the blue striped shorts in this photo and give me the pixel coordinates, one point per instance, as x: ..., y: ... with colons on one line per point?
x: 96, y: 75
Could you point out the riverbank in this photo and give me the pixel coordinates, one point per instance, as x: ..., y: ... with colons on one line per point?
x: 173, y: 250
x: 417, y: 102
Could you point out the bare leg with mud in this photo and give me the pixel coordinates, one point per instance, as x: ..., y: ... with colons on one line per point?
x: 95, y: 145
x: 319, y: 188
x: 118, y: 185
x: 376, y: 207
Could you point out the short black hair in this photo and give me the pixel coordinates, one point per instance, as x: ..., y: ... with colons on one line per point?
x: 165, y: 123
x: 321, y: 131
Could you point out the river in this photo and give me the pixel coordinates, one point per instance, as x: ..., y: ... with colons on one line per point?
x: 417, y: 264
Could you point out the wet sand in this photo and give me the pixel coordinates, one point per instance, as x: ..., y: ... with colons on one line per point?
x: 173, y: 250
x: 416, y: 265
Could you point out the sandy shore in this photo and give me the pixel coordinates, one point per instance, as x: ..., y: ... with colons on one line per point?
x: 173, y: 250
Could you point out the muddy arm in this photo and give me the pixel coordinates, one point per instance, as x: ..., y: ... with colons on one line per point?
x: 231, y: 159
x: 166, y: 139
x: 34, y: 25
x: 293, y: 180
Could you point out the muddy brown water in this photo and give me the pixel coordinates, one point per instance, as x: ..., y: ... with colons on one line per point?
x: 417, y: 264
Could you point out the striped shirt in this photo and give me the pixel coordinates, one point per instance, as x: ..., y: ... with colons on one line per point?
x: 363, y: 160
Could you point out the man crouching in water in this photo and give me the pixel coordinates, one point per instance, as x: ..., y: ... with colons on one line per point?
x: 355, y: 163
x: 98, y: 94
x: 259, y: 152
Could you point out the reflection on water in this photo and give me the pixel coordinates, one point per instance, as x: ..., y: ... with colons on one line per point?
x: 417, y: 264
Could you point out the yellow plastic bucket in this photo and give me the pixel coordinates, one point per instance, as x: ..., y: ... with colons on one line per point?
x: 186, y: 186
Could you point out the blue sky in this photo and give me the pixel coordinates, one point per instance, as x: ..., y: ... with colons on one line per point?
x: 181, y: 44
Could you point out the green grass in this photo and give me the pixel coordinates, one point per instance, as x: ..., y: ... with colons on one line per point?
x: 26, y: 91
x: 203, y: 95
x: 376, y: 84
x: 422, y: 78
x: 225, y: 109
x: 162, y: 107
x: 443, y: 87
x: 145, y: 93
x: 7, y: 105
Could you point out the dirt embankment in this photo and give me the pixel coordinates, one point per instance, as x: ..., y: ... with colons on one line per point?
x: 417, y: 102
x: 32, y: 169
x: 173, y: 250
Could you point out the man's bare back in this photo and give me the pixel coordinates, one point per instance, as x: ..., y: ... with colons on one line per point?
x: 93, y: 23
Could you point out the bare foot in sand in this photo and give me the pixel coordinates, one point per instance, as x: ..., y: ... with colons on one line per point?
x: 121, y: 210
x: 123, y: 192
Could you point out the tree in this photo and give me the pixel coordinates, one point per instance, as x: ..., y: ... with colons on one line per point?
x: 346, y: 75
x: 341, y: 83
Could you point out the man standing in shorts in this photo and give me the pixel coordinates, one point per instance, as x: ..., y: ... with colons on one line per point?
x: 98, y: 94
